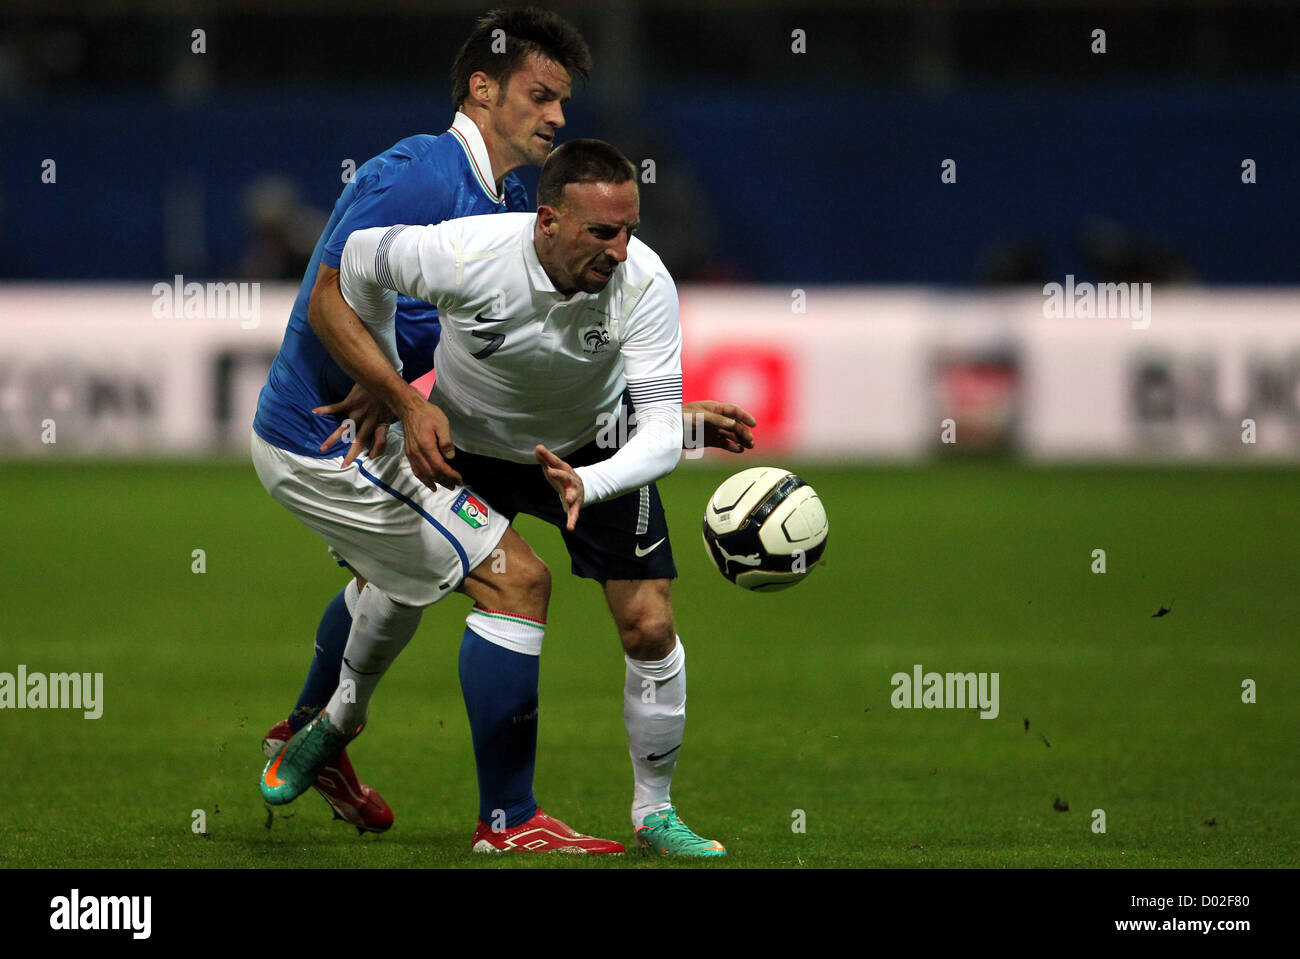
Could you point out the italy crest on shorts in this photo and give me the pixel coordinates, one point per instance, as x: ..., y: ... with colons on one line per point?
x: 471, y: 509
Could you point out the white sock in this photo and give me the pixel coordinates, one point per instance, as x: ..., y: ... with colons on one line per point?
x: 654, y: 711
x: 380, y: 631
x: 351, y: 593
x: 515, y: 633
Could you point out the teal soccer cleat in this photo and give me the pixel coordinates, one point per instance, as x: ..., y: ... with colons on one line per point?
x: 293, y: 770
x: 665, y: 833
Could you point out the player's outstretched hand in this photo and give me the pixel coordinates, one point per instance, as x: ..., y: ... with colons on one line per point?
x: 365, y: 418
x: 429, y: 446
x: 725, y: 425
x: 564, y: 480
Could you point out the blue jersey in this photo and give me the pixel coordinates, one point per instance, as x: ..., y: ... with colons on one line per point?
x: 420, y: 180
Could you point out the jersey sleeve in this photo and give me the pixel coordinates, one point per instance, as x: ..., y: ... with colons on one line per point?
x: 652, y: 366
x: 400, y: 191
x: 652, y: 345
x: 418, y: 261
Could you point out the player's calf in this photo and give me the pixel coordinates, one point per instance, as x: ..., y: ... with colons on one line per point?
x: 380, y: 631
x: 499, y: 669
x: 654, y: 702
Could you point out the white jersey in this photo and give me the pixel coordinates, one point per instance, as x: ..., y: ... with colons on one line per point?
x: 518, y: 362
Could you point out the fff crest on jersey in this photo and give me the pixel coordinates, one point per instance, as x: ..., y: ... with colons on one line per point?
x: 595, y: 340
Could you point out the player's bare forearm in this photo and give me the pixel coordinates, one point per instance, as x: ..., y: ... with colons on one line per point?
x: 349, y: 341
x: 354, y: 348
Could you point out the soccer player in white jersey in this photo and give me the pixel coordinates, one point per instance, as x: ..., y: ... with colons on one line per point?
x: 546, y: 320
x: 509, y: 81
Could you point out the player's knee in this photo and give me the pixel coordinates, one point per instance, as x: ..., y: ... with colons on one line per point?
x: 537, y: 584
x: 648, y: 636
x: 527, y: 586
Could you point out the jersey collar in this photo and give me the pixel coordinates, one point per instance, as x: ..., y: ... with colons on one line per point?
x: 471, y: 141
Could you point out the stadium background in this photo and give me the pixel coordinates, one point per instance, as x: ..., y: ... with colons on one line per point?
x: 833, y: 283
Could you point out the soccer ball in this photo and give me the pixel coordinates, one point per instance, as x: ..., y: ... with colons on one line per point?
x: 765, y: 529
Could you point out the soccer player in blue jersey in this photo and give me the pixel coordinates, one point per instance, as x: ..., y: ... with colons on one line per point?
x: 509, y: 83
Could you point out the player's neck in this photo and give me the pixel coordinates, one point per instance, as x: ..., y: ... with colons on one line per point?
x: 500, y: 167
x: 497, y: 159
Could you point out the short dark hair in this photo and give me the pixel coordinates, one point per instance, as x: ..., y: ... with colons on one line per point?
x: 526, y: 31
x: 581, y: 161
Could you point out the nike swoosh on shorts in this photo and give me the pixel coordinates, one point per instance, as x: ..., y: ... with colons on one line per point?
x: 648, y: 550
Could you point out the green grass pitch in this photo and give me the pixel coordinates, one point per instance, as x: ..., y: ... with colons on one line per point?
x: 964, y: 567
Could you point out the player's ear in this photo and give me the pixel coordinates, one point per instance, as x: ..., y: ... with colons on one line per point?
x: 482, y: 88
x: 547, y: 217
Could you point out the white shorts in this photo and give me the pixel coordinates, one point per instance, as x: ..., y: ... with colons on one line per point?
x: 414, y: 543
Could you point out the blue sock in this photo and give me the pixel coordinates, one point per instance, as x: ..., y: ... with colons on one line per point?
x: 323, y: 676
x: 500, y: 690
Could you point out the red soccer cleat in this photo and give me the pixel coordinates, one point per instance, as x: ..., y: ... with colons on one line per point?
x: 542, y: 833
x: 351, y: 800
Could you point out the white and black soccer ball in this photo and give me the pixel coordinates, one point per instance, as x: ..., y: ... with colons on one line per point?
x: 765, y: 529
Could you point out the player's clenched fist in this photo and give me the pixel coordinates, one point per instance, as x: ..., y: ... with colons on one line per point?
x: 429, y: 445
x: 565, y: 481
